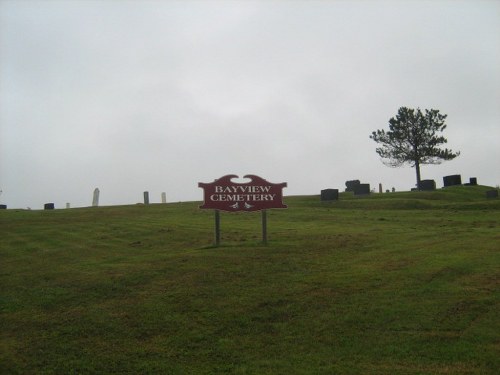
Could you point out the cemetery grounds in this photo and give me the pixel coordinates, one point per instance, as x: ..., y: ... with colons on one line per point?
x: 398, y: 283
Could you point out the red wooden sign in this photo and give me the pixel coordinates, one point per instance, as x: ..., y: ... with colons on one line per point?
x: 255, y: 195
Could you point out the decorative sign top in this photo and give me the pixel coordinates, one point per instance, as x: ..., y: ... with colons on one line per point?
x: 255, y: 195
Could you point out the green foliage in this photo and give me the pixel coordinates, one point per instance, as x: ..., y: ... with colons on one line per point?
x: 413, y: 138
x: 403, y: 283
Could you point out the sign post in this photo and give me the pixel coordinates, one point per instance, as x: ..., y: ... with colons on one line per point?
x: 264, y: 227
x: 217, y: 227
x: 256, y: 195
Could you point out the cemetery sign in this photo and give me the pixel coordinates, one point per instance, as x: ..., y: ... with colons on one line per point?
x: 255, y: 195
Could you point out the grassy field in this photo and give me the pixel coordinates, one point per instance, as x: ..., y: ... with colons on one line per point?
x: 399, y: 283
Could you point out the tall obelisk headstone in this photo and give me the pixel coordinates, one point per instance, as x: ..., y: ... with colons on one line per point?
x: 146, y: 197
x: 95, y: 200
x: 163, y: 197
x: 2, y: 206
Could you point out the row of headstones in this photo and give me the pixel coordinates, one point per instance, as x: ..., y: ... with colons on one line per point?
x: 452, y: 180
x: 95, y: 201
x: 354, y: 186
x: 358, y: 188
x: 163, y: 197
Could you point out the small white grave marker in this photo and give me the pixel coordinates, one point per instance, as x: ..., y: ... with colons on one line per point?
x: 95, y: 200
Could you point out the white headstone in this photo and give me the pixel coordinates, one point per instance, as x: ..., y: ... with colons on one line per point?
x: 67, y: 205
x: 95, y: 200
x: 163, y: 198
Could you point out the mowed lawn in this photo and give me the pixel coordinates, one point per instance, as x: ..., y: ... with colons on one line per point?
x: 398, y: 283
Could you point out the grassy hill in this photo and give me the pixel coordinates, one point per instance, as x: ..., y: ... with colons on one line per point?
x: 397, y: 283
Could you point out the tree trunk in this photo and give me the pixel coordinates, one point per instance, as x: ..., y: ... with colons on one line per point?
x: 417, y: 170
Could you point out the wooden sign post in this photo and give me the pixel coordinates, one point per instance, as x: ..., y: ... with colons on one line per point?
x: 264, y: 227
x: 256, y: 195
x: 217, y: 227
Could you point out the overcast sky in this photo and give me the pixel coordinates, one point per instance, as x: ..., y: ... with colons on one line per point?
x: 133, y: 96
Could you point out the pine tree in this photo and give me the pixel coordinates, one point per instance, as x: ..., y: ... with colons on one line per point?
x: 413, y: 138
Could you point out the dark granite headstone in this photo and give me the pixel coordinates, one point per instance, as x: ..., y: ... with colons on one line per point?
x: 351, y: 185
x: 473, y: 181
x: 146, y: 197
x: 48, y: 206
x: 3, y: 206
x: 330, y: 195
x: 362, y: 189
x: 492, y: 194
x: 427, y: 185
x: 452, y: 180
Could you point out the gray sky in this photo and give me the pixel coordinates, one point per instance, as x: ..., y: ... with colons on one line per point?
x: 130, y: 96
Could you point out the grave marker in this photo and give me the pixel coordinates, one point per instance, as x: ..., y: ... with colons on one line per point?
x: 95, y: 199
x: 351, y: 185
x: 329, y: 195
x: 452, y: 180
x: 362, y: 189
x: 427, y: 185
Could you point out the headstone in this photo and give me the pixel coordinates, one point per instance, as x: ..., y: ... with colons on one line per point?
x: 362, y: 189
x: 351, y: 185
x: 67, y: 205
x: 48, y: 206
x: 492, y: 194
x: 95, y: 200
x: 380, y: 190
x: 329, y: 195
x: 452, y: 180
x: 163, y: 198
x: 473, y: 181
x: 3, y: 206
x: 146, y: 197
x: 427, y: 185
x: 393, y: 189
